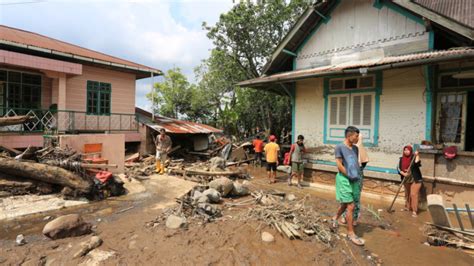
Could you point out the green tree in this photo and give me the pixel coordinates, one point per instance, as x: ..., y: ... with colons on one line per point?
x: 244, y: 39
x: 171, y: 97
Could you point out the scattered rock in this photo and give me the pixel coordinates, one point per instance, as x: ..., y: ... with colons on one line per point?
x: 240, y: 190
x: 203, y: 199
x: 209, y: 209
x: 47, y: 218
x: 197, y: 194
x: 267, y: 237
x: 66, y: 226
x: 97, y: 257
x: 132, y: 244
x: 217, y: 163
x: 20, y: 240
x: 309, y: 232
x: 224, y: 185
x: 175, y: 222
x: 291, y: 197
x: 89, y: 245
x: 213, y: 195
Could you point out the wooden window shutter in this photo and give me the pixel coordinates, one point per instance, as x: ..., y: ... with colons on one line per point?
x: 356, y: 109
x: 367, y: 118
x: 343, y: 110
x: 333, y: 111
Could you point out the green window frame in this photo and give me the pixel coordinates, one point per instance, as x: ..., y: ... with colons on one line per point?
x: 19, y: 91
x: 98, y: 98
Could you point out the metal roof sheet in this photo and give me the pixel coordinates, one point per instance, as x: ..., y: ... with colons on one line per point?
x: 325, y: 70
x: 174, y: 126
x: 27, y: 39
x: 461, y: 11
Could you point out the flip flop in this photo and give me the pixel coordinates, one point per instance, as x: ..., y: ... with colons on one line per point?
x: 356, y: 240
x: 414, y: 215
x: 342, y: 220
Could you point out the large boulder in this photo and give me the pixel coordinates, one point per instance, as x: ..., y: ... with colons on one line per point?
x: 224, y: 185
x: 217, y: 164
x: 67, y: 226
x: 240, y: 190
x: 175, y: 222
x: 213, y: 195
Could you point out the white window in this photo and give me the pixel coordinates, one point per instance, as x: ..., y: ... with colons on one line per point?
x: 353, y: 109
x: 352, y: 83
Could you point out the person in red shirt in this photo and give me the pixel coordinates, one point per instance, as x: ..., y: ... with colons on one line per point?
x: 258, y: 148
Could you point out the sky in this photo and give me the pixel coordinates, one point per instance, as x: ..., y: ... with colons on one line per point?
x: 157, y: 33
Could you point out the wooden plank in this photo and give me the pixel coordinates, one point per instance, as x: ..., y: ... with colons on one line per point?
x: 10, y: 150
x: 455, y: 230
x: 470, y: 215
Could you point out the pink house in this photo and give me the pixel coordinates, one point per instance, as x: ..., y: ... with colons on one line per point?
x: 66, y: 88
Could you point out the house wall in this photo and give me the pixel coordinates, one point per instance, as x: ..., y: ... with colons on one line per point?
x: 123, y: 89
x: 357, y: 30
x: 401, y: 117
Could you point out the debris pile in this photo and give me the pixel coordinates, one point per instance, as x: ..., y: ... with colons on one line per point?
x: 293, y: 219
x: 53, y: 169
x: 439, y: 237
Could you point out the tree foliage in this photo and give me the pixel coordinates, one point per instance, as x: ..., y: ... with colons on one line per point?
x: 244, y: 39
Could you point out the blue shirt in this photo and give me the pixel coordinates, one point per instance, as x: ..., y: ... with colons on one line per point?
x: 350, y: 160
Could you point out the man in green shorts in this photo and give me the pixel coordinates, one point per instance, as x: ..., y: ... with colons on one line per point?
x: 296, y: 154
x: 347, y: 181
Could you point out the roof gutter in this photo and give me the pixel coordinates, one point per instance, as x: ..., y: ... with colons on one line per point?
x: 358, y: 70
x: 82, y: 58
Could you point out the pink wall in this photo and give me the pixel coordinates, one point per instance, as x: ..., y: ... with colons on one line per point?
x: 123, y: 89
x: 21, y: 141
x: 113, y: 146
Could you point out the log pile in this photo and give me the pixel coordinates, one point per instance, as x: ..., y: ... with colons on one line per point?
x: 292, y: 219
x: 52, y: 169
x: 14, y: 120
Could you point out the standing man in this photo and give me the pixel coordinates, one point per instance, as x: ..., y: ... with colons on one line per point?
x: 271, y: 151
x: 163, y: 146
x: 363, y: 161
x: 258, y: 148
x: 296, y: 154
x: 347, y: 181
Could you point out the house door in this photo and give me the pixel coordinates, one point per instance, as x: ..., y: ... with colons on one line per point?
x: 470, y: 122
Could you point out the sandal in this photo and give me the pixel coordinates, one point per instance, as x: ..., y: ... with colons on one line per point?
x: 342, y: 220
x: 356, y: 240
x: 414, y: 215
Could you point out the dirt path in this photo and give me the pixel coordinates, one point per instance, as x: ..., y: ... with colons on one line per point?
x: 226, y: 242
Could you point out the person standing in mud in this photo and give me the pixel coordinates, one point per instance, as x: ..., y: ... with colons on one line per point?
x: 363, y: 161
x: 409, y: 169
x: 296, y: 154
x: 271, y: 151
x: 258, y: 148
x: 163, y: 146
x: 347, y: 181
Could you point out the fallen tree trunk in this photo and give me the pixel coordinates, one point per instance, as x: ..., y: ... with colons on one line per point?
x: 11, y: 186
x: 13, y: 120
x: 45, y: 173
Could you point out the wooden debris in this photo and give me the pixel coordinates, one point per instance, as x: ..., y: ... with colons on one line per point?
x: 9, y: 150
x: 45, y: 173
x: 14, y: 120
x: 133, y: 158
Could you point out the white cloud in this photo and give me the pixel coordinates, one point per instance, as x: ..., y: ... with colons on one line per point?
x: 161, y: 33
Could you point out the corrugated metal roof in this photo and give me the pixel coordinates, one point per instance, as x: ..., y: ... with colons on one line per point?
x: 28, y: 38
x: 325, y: 70
x: 172, y: 125
x: 461, y: 11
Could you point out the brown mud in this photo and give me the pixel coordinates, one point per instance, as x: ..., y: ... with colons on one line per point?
x: 396, y: 240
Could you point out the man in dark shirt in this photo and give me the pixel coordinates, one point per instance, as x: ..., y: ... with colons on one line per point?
x: 347, y: 185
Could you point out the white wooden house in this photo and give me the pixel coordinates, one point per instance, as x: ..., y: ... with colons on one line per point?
x: 401, y: 71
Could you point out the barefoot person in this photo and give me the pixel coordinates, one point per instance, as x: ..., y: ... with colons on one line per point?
x: 271, y: 151
x: 296, y: 154
x: 347, y: 181
x: 414, y: 180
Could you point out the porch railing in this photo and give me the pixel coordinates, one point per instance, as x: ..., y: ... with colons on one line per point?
x: 70, y: 121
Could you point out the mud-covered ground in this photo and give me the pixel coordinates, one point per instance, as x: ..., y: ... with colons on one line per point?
x: 127, y: 240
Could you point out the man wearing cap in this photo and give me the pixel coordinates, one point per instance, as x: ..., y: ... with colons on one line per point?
x: 163, y: 146
x: 271, y: 152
